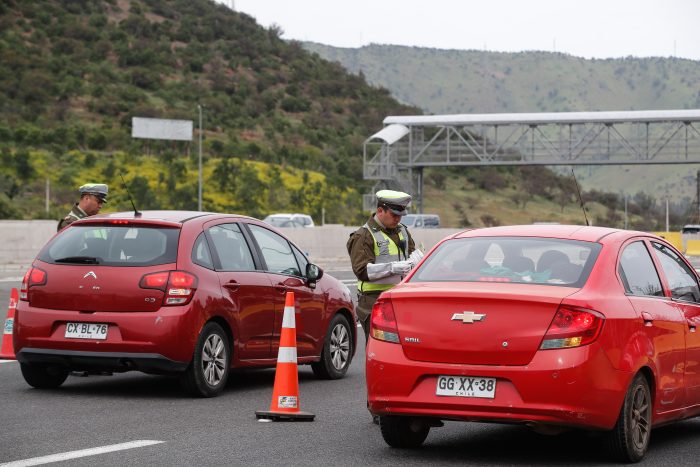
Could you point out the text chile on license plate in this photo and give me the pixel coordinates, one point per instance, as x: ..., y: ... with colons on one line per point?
x: 86, y: 330
x: 466, y: 386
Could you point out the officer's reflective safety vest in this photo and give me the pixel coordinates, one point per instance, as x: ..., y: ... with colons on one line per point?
x: 385, y: 251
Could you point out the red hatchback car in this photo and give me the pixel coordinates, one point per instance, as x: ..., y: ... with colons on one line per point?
x: 187, y: 293
x: 551, y: 326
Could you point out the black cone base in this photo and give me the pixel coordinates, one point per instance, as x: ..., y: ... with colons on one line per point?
x: 285, y: 416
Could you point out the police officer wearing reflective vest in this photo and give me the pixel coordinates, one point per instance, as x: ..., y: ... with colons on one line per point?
x: 382, y: 252
x: 92, y: 197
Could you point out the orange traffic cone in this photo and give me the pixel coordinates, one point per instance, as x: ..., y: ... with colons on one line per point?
x: 285, y: 394
x: 6, y: 350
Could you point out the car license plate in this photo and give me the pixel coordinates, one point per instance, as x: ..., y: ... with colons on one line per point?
x: 86, y: 331
x: 466, y: 386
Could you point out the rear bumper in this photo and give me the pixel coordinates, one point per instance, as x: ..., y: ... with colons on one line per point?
x: 568, y: 387
x: 169, y: 333
x: 102, y: 361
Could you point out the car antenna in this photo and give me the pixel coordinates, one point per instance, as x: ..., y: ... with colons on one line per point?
x: 580, y: 199
x: 137, y: 213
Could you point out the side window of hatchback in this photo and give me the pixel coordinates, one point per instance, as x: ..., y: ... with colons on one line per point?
x: 637, y: 271
x: 276, y: 251
x: 231, y: 248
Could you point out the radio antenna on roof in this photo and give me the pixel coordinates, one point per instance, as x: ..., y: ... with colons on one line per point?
x: 137, y: 213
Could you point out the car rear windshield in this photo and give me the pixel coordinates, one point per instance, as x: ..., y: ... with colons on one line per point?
x: 113, y: 246
x: 510, y: 259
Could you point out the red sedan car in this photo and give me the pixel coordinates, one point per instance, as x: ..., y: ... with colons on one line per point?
x: 187, y: 293
x: 548, y: 325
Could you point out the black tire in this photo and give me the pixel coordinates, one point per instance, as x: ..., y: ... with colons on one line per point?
x: 43, y: 376
x: 337, y: 350
x: 208, y: 371
x: 629, y: 439
x: 403, y: 432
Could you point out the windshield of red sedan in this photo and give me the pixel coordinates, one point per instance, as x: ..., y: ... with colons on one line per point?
x: 510, y: 259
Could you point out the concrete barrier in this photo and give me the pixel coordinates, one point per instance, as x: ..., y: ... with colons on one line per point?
x: 20, y: 241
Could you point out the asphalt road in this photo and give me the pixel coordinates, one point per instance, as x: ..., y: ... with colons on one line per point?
x: 98, y: 411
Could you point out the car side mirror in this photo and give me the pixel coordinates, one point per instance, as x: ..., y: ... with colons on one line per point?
x: 313, y: 273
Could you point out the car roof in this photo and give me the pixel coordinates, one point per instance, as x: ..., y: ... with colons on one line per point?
x: 572, y: 232
x: 179, y: 217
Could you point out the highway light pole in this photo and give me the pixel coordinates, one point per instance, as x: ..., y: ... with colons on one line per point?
x: 199, y: 197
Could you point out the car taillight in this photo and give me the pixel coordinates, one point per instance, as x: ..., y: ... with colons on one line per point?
x: 34, y: 276
x: 383, y: 322
x: 572, y: 327
x: 179, y: 286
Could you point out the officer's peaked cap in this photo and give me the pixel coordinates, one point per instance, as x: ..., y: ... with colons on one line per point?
x: 395, y: 201
x: 98, y: 189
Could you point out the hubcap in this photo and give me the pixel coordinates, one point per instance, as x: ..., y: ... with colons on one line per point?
x: 641, y: 412
x: 213, y: 360
x: 340, y: 346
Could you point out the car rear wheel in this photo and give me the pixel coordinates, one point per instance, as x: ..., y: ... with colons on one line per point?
x: 207, y: 373
x: 403, y: 432
x: 43, y: 376
x: 337, y: 350
x: 629, y: 440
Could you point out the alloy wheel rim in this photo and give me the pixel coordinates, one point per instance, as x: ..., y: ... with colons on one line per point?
x: 214, y: 360
x: 640, y: 418
x: 339, y: 346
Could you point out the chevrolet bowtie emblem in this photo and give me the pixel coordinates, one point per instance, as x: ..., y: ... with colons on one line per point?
x: 468, y: 317
x: 91, y: 273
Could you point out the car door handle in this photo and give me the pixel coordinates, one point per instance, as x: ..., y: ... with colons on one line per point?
x: 281, y: 288
x: 648, y: 319
x: 232, y: 285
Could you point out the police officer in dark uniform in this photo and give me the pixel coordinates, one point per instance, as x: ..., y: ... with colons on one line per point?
x: 382, y: 252
x: 92, y: 197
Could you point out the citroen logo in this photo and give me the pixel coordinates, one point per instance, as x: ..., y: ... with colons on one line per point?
x: 91, y: 273
x: 468, y: 317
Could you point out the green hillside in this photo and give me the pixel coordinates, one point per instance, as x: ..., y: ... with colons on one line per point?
x: 75, y: 72
x: 469, y: 81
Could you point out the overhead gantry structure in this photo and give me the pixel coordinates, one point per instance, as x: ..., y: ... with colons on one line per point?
x: 396, y: 155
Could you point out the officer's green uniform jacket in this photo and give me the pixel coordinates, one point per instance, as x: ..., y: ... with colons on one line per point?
x: 74, y: 214
x: 361, y: 247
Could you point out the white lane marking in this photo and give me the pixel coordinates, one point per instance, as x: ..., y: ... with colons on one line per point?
x: 7, y: 361
x: 81, y: 453
x: 349, y: 281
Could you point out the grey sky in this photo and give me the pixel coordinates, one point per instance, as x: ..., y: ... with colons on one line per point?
x: 590, y: 28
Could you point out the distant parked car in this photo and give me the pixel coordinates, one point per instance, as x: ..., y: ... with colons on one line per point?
x: 278, y: 220
x: 425, y: 221
x: 171, y: 292
x: 550, y: 326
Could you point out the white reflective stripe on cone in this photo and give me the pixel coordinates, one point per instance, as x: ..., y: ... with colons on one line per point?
x: 288, y: 318
x: 287, y: 355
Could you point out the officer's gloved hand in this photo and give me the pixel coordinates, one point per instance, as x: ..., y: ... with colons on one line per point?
x: 401, y: 268
x: 415, y: 257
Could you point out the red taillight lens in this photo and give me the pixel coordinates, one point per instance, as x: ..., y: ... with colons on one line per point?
x: 179, y: 286
x: 572, y: 327
x: 157, y: 280
x: 34, y: 276
x: 383, y: 325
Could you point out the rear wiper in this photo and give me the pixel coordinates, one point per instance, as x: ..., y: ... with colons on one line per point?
x: 78, y: 259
